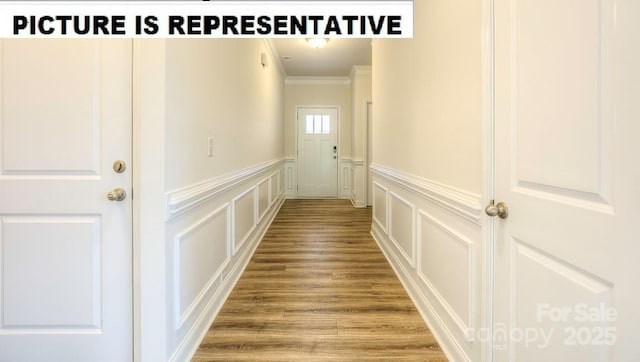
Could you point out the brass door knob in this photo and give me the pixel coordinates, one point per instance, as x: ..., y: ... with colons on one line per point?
x: 501, y: 210
x: 117, y: 195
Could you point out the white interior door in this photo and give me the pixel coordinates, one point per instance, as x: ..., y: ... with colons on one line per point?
x: 65, y: 249
x: 566, y: 151
x: 317, y: 152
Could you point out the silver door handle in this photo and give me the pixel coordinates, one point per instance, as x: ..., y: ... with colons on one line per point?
x: 117, y: 195
x: 501, y: 210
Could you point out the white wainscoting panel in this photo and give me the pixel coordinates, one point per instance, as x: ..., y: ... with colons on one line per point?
x: 358, y: 187
x: 428, y: 232
x: 402, y: 226
x: 380, y: 206
x: 215, y: 230
x: 201, y: 253
x: 274, y: 187
x: 244, y: 217
x: 445, y: 265
x: 345, y: 177
x: 290, y: 178
x: 263, y: 197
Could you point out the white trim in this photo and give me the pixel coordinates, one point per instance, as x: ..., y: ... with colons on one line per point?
x: 457, y: 201
x: 488, y: 173
x: 149, y: 251
x: 184, y: 200
x: 316, y: 80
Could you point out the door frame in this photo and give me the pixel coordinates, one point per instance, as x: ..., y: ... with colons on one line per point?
x: 488, y: 177
x: 149, y: 260
x: 338, y: 164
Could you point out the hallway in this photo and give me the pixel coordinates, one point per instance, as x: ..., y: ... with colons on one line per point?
x: 318, y: 287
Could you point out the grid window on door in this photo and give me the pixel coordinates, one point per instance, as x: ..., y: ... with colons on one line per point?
x: 317, y: 124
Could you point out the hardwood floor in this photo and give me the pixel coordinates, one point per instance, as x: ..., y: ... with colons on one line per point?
x: 319, y: 288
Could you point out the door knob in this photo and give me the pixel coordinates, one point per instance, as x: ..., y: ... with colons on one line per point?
x: 501, y: 210
x: 117, y: 195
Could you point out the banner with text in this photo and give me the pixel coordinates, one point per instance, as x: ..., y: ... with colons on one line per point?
x: 206, y: 19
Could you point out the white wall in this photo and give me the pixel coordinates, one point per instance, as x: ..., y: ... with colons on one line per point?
x: 218, y: 88
x: 216, y: 208
x: 427, y: 166
x: 317, y: 92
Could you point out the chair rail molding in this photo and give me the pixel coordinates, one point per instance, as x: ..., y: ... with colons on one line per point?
x: 178, y: 202
x: 459, y: 202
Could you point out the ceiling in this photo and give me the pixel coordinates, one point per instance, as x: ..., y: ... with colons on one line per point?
x: 336, y: 59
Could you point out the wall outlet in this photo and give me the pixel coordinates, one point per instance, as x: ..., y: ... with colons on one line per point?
x: 209, y: 146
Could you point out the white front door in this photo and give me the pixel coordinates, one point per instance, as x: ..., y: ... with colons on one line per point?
x: 567, y: 125
x: 65, y: 249
x: 317, y: 152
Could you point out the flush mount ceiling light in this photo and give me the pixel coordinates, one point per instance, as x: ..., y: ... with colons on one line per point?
x: 317, y: 42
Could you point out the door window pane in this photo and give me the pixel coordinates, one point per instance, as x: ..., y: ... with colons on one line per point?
x: 317, y: 124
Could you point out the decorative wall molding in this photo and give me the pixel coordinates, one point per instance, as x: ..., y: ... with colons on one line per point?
x: 466, y: 327
x: 446, y: 339
x: 457, y: 201
x: 409, y: 255
x: 181, y: 317
x: 191, y: 341
x: 290, y: 178
x: 183, y: 200
x: 345, y: 186
x: 316, y: 80
x: 358, y: 197
x: 381, y: 223
x: 236, y: 241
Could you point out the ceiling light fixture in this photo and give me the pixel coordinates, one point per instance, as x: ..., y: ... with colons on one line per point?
x: 317, y: 42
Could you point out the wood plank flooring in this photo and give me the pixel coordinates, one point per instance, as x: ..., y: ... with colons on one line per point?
x: 319, y: 288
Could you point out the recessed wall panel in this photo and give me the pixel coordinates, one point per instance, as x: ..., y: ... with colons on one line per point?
x: 41, y: 286
x: 202, y: 252
x: 445, y: 264
x: 263, y: 197
x: 401, y: 224
x: 380, y: 205
x: 244, y: 218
